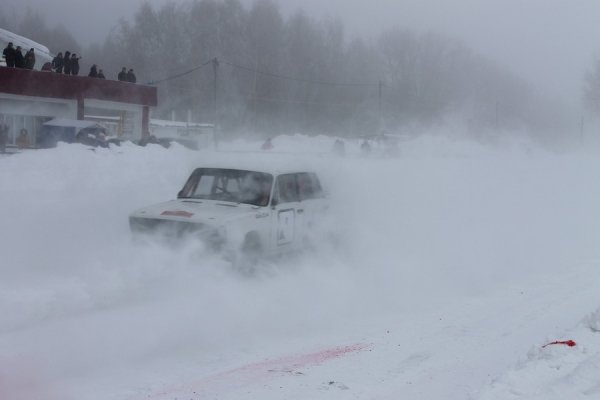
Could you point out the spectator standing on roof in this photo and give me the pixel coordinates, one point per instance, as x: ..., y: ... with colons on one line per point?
x: 58, y: 63
x: 131, y: 76
x: 67, y: 62
x: 9, y: 55
x: 93, y: 72
x: 30, y: 59
x: 19, y: 59
x: 122, y: 75
x: 75, y: 64
x: 100, y: 75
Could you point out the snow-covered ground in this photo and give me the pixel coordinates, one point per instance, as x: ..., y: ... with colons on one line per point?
x: 457, y: 262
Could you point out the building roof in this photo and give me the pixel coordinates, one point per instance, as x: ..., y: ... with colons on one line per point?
x: 58, y: 86
x: 271, y: 163
x: 72, y: 123
x: 164, y: 123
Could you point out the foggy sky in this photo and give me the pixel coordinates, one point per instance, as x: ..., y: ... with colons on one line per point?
x: 548, y: 42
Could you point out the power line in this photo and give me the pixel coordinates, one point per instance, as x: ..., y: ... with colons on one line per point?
x: 266, y: 73
x: 265, y: 99
x: 215, y: 63
x: 181, y: 74
x: 292, y: 78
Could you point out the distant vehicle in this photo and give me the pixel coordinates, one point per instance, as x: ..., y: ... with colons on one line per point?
x: 382, y: 144
x: 185, y: 142
x: 71, y: 131
x: 246, y: 214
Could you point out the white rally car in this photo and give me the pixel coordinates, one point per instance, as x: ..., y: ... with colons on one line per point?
x: 246, y: 214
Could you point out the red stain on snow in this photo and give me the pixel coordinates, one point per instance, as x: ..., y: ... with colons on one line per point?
x: 569, y: 343
x: 261, y: 371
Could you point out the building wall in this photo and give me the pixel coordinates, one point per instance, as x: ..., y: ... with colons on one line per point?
x: 129, y: 116
x: 26, y: 112
x: 37, y: 106
x: 29, y: 98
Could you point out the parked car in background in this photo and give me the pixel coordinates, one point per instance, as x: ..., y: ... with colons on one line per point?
x: 71, y: 131
x: 245, y: 214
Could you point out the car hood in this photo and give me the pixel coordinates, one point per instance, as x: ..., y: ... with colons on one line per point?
x: 205, y: 211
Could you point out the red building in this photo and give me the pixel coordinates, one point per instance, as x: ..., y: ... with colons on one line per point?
x: 28, y: 98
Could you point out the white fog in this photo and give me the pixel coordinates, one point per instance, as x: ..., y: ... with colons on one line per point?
x: 549, y: 43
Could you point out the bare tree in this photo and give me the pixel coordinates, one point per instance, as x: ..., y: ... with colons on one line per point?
x: 298, y: 73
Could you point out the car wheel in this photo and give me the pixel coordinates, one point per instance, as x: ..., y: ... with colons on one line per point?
x: 249, y: 254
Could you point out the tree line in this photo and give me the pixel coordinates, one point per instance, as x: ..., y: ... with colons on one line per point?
x: 296, y: 73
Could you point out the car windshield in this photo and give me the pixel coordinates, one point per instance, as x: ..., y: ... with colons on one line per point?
x: 231, y: 185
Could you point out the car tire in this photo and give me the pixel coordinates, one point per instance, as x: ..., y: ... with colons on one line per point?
x: 250, y: 253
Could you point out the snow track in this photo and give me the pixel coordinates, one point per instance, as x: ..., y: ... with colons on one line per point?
x: 456, y: 264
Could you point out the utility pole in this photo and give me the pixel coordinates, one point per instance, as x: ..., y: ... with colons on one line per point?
x: 496, y: 118
x: 215, y: 64
x: 582, y: 128
x: 255, y: 97
x: 380, y: 105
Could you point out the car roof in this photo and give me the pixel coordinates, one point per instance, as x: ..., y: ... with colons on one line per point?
x: 274, y: 164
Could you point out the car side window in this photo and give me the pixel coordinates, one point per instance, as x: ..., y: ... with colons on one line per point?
x: 287, y: 189
x: 233, y: 185
x: 309, y: 186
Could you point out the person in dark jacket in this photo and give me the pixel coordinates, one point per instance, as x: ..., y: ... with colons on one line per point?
x: 365, y: 147
x: 67, y: 62
x: 3, y: 137
x: 58, y: 63
x: 22, y: 141
x: 267, y: 145
x: 9, y: 55
x: 122, y: 75
x: 30, y: 59
x: 75, y: 64
x: 19, y: 59
x: 131, y: 76
x: 93, y: 72
x: 101, y: 74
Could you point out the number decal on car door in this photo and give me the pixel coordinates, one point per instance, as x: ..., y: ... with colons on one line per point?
x: 285, y: 226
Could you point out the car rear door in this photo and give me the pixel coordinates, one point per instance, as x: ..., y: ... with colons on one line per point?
x: 312, y: 202
x: 287, y: 214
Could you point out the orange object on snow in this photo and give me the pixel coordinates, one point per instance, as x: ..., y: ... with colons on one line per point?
x: 569, y: 343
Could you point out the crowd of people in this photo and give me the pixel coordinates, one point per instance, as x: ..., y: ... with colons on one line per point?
x: 96, y: 73
x: 127, y: 76
x: 14, y: 57
x: 67, y: 64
